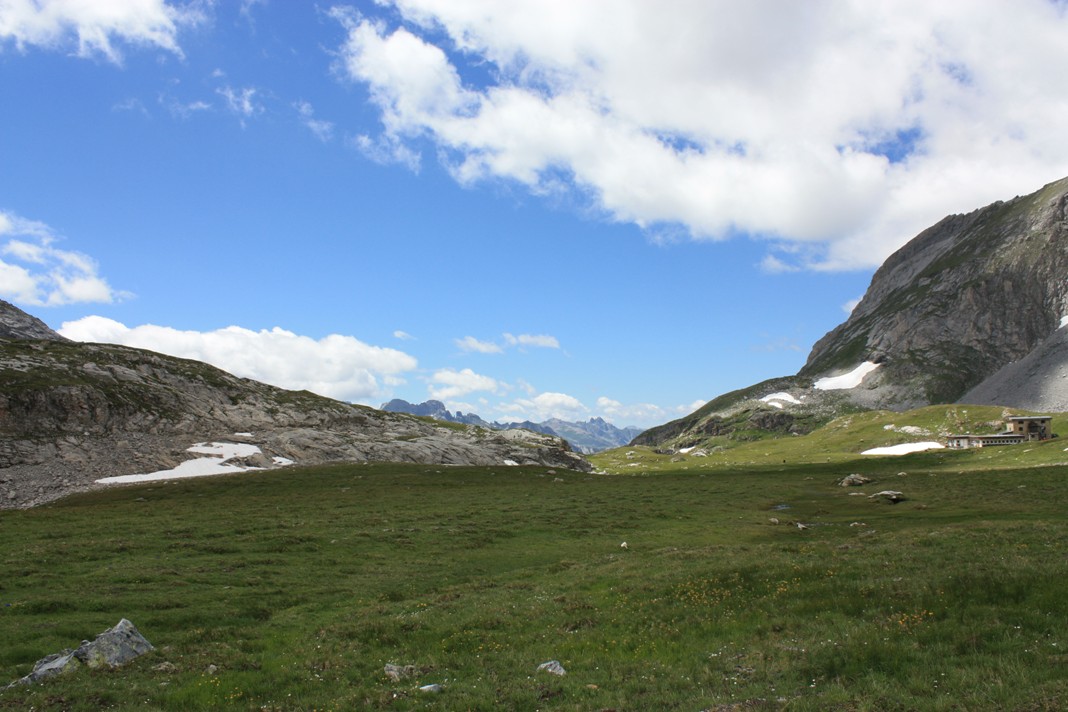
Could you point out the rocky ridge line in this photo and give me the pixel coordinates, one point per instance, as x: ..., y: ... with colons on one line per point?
x: 72, y: 413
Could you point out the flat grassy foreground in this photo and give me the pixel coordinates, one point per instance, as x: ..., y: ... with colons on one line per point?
x: 291, y: 590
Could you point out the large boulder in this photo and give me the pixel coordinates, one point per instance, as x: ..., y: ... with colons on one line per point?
x: 113, y: 648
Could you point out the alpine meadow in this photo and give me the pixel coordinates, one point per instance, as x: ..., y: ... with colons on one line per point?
x: 554, y: 356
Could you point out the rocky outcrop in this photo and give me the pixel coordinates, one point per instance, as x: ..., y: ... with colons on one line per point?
x: 73, y: 413
x: 17, y: 324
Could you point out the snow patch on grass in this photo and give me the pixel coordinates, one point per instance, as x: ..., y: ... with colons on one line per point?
x: 903, y: 448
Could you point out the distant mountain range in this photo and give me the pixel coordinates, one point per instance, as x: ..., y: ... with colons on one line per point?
x: 972, y: 310
x: 594, y: 435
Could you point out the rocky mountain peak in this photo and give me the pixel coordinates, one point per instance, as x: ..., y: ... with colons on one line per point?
x: 964, y: 298
x: 17, y: 324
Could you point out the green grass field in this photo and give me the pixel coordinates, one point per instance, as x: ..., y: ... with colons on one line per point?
x: 299, y: 585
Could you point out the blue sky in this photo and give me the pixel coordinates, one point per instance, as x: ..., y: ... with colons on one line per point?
x: 549, y: 210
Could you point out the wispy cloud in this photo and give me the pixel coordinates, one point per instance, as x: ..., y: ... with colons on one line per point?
x: 132, y: 104
x: 35, y: 272
x: 242, y: 102
x: 521, y: 341
x: 323, y: 130
x: 471, y: 344
x: 336, y: 366
x: 183, y: 109
x: 387, y: 150
x: 536, y: 340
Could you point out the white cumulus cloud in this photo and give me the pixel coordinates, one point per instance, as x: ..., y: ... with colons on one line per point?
x: 97, y: 25
x: 447, y: 383
x: 33, y: 271
x: 633, y: 414
x: 543, y: 407
x: 336, y: 366
x: 835, y: 129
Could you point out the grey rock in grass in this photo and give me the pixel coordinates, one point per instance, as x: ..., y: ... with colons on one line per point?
x: 431, y: 688
x: 854, y: 480
x: 554, y: 667
x: 891, y: 496
x: 112, y: 648
x: 396, y: 673
x: 50, y: 666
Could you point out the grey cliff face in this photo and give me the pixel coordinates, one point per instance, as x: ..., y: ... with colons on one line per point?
x: 960, y: 301
x: 17, y: 324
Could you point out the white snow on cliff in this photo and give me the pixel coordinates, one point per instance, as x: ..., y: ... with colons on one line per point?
x: 777, y: 399
x: 846, y: 380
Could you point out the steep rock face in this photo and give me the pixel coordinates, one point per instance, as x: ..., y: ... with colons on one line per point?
x: 1037, y: 382
x: 960, y: 301
x: 17, y: 324
x: 73, y: 413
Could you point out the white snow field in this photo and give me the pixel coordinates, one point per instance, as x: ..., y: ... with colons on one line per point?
x: 846, y: 380
x: 777, y: 399
x: 214, y: 464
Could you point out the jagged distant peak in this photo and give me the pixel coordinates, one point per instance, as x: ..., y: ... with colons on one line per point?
x: 588, y: 437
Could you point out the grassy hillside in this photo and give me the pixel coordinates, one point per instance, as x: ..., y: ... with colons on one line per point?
x: 843, y: 439
x: 299, y: 586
